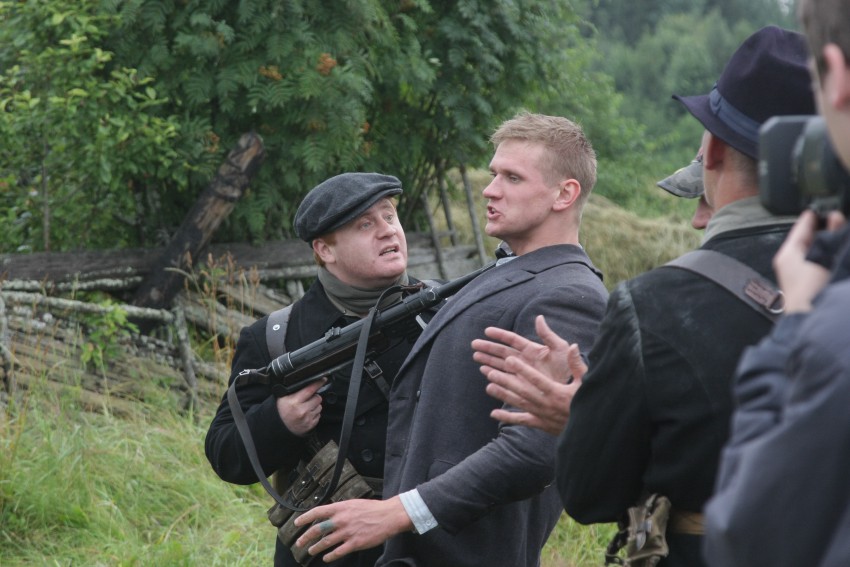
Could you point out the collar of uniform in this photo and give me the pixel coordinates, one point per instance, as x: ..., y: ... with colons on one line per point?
x: 743, y: 213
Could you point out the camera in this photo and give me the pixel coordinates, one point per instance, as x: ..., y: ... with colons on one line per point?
x: 798, y: 168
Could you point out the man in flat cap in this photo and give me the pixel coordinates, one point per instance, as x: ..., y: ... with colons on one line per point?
x: 350, y: 222
x: 653, y: 410
x: 461, y: 490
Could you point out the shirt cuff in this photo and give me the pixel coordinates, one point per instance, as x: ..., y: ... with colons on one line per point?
x: 422, y: 518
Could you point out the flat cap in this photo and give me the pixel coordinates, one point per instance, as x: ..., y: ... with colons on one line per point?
x: 339, y: 200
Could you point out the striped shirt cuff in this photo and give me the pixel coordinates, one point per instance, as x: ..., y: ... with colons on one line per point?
x: 422, y: 518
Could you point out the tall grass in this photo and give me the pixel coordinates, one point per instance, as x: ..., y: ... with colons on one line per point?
x: 79, y: 488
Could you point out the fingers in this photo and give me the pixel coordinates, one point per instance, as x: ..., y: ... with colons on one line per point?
x: 511, y: 390
x: 802, y: 233
x: 549, y: 337
x: 516, y: 418
x: 319, y: 532
x: 301, y: 410
x: 835, y: 220
x: 491, y: 353
x: 576, y: 364
x: 309, y: 390
x: 509, y: 338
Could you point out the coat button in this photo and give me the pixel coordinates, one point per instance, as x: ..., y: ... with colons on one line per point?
x: 330, y: 398
x: 418, y: 393
x: 367, y: 455
x: 360, y: 420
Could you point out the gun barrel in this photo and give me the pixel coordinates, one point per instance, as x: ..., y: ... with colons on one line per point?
x: 338, y: 340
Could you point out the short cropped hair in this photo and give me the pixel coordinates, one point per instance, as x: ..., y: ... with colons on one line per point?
x: 824, y: 22
x: 570, y: 155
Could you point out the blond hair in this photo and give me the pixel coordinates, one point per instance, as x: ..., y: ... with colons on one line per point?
x: 569, y: 154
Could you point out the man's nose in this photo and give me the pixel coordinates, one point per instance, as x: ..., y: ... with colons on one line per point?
x: 387, y: 229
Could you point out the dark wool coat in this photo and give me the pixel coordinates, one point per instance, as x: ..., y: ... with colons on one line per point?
x: 488, y: 486
x: 277, y: 447
x: 653, y: 412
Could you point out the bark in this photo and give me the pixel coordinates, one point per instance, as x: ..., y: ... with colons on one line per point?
x: 214, y: 205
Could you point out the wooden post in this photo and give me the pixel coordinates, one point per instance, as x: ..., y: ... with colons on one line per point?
x: 435, y: 238
x: 186, y: 356
x: 6, y: 357
x: 447, y: 209
x: 215, y: 203
x: 473, y: 216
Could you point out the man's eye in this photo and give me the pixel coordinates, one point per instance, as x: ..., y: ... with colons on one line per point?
x: 390, y: 218
x: 365, y: 224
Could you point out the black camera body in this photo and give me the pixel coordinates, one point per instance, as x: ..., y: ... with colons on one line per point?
x: 798, y: 168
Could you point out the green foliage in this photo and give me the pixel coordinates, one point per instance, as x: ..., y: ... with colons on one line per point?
x: 105, y: 333
x: 628, y: 21
x: 300, y: 73
x: 653, y: 50
x: 81, y: 134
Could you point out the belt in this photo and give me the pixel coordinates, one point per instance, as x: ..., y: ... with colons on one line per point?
x: 685, y: 522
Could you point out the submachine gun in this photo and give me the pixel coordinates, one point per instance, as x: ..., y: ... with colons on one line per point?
x: 352, y: 344
x: 292, y: 371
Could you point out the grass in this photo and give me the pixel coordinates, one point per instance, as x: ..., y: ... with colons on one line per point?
x: 81, y: 488
x: 130, y: 489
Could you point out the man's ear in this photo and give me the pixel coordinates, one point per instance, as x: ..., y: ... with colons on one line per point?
x: 714, y: 151
x: 570, y: 191
x: 836, y: 83
x: 323, y: 251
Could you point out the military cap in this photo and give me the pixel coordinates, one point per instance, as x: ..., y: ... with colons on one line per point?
x: 685, y: 182
x: 339, y: 200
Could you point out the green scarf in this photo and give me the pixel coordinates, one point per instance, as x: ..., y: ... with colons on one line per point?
x: 354, y: 300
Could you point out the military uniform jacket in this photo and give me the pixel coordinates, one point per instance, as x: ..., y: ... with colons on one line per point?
x: 653, y: 411
x: 488, y: 486
x: 277, y: 447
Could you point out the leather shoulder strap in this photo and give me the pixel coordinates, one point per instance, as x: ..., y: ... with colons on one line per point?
x: 276, y: 326
x: 738, y: 278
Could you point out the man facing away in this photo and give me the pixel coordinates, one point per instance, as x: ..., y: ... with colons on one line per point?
x: 783, y: 496
x: 351, y: 224
x: 653, y: 410
x: 461, y: 490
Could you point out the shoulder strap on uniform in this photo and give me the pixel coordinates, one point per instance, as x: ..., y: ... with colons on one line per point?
x: 276, y: 331
x: 735, y: 276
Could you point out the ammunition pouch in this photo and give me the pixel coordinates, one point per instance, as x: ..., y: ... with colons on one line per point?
x: 642, y: 534
x: 307, y: 489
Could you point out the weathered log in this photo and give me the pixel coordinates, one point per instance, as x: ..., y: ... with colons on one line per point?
x: 60, y: 304
x: 123, y: 270
x: 254, y: 300
x: 213, y: 206
x: 214, y: 317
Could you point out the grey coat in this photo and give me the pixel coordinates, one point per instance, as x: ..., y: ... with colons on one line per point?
x: 488, y: 486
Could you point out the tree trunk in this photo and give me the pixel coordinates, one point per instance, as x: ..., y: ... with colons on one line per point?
x: 215, y: 203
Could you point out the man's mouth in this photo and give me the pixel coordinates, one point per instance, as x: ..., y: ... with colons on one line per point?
x: 389, y: 250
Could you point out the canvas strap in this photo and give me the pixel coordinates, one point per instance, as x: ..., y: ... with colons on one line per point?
x: 741, y: 280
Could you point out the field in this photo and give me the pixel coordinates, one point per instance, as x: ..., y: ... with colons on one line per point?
x: 101, y: 487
